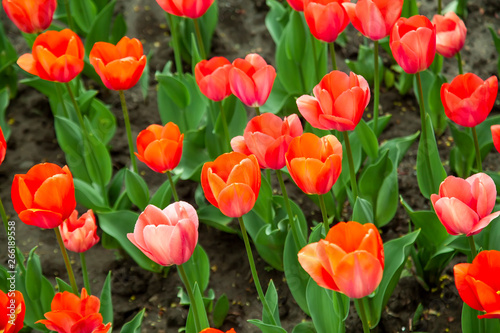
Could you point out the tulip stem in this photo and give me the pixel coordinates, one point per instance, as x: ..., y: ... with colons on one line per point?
x: 362, y: 315
x: 172, y: 186
x: 352, y: 172
x: 85, y: 273
x: 257, y: 110
x: 478, y: 151
x: 422, y: 108
x: 224, y: 125
x: 68, y: 15
x: 459, y: 60
x: 472, y: 245
x: 332, y: 55
x: 175, y: 42
x: 75, y: 105
x: 192, y: 301
x: 201, y: 47
x: 59, y: 94
x: 324, y: 213
x: 64, y: 253
x: 126, y: 119
x: 315, y: 57
x: 255, y: 276
x: 376, y: 86
x: 439, y: 7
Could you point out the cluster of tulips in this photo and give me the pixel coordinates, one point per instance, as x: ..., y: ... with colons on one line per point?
x: 337, y: 263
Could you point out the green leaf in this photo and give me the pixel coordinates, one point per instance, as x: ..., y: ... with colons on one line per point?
x: 295, y: 38
x: 103, y: 121
x: 33, y: 276
x: 320, y: 303
x: 97, y: 160
x: 276, y: 19
x: 471, y: 324
x: 221, y: 310
x: 272, y: 300
x: 4, y: 103
x: 134, y: 326
x: 119, y: 29
x: 212, y: 216
x: 88, y: 196
x: 431, y: 90
x: 368, y: 139
x: 8, y: 55
x: 463, y: 157
x: 202, y: 314
x: 270, y: 243
x: 63, y: 286
x: 496, y: 41
x: 362, y: 211
x: 194, y: 155
x: 47, y: 294
x: 410, y: 8
x: 163, y: 194
x: 137, y: 189
x: 106, y: 309
x: 101, y: 26
x: 398, y: 147
x: 116, y: 185
x: 84, y: 13
x: 198, y: 268
x: 175, y: 90
x: 365, y: 64
x: 305, y: 327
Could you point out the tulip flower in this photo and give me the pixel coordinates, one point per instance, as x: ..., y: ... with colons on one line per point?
x: 464, y: 206
x: 120, y: 67
x: 297, y: 5
x: 3, y: 146
x: 192, y: 9
x: 374, y: 18
x: 413, y: 43
x: 160, y: 147
x: 326, y: 18
x: 495, y: 134
x: 30, y: 16
x: 212, y: 77
x: 44, y: 196
x: 12, y: 311
x: 478, y: 283
x: 169, y: 236
x: 267, y: 137
x: 57, y: 56
x: 350, y: 259
x: 314, y: 163
x: 338, y: 103
x: 79, y: 234
x: 251, y: 79
x: 450, y: 34
x: 70, y: 313
x: 468, y: 100
x: 214, y: 330
x: 232, y: 183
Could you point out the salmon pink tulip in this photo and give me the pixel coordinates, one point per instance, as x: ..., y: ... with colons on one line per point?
x: 214, y: 330
x: 314, y: 163
x: 3, y: 146
x: 338, y: 103
x: 374, y: 18
x: 267, y: 137
x: 169, y: 236
x: 57, y: 56
x: 70, y: 313
x: 12, y: 311
x: 232, y: 183
x: 187, y: 8
x: 160, y: 147
x: 120, y: 66
x: 79, y: 234
x: 44, y: 196
x: 326, y: 18
x: 350, y: 259
x: 478, y: 283
x: 251, y: 79
x: 468, y: 100
x: 30, y: 16
x: 495, y: 134
x: 212, y: 77
x: 413, y: 43
x: 297, y: 5
x: 464, y: 206
x: 450, y: 34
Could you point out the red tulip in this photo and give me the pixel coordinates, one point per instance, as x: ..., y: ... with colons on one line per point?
x: 120, y: 67
x: 468, y: 100
x: 79, y: 234
x: 212, y: 77
x: 465, y: 206
x: 267, y: 137
x: 338, y: 103
x: 251, y: 79
x: 160, y: 147
x: 326, y: 18
x: 232, y: 183
x: 70, y: 313
x: 188, y: 8
x: 214, y: 330
x: 314, y: 163
x: 30, y: 16
x: 495, y: 134
x: 44, y: 196
x: 350, y: 259
x: 12, y: 311
x: 374, y: 18
x: 297, y: 5
x: 478, y: 283
x: 413, y: 43
x: 169, y: 236
x: 57, y: 56
x: 3, y: 146
x: 450, y: 34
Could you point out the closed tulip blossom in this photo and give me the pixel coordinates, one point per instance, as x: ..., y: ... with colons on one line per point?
x: 57, y: 56
x: 214, y: 330
x: 267, y: 137
x: 450, y: 34
x: 192, y: 8
x: 169, y: 236
x: 232, y: 183
x: 12, y: 311
x: 314, y: 163
x: 464, y: 206
x: 44, y: 196
x: 212, y: 77
x: 30, y: 16
x: 251, y: 79
x: 468, y: 100
x: 3, y: 146
x: 413, y: 43
x: 297, y: 5
x: 495, y: 134
x: 478, y: 284
x: 350, y: 259
x: 338, y: 103
x: 326, y: 18
x: 79, y: 234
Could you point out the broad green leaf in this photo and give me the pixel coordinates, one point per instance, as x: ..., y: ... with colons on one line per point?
x: 119, y: 30
x: 272, y: 300
x: 4, y: 103
x: 101, y: 27
x: 84, y: 13
x: 163, y: 194
x: 212, y: 216
x: 8, y: 55
x: 198, y: 268
x: 365, y: 64
x: 63, y: 286
x: 305, y: 327
x: 47, y: 294
x: 431, y: 87
x: 270, y: 243
x: 368, y: 139
x: 33, y: 276
x: 103, y: 121
x: 137, y: 189
x: 295, y: 38
x: 471, y: 324
x: 202, y: 314
x: 398, y: 147
x: 320, y: 303
x: 410, y: 8
x: 106, y: 309
x: 276, y: 19
x: 134, y: 326
x: 221, y: 310
x: 97, y: 160
x: 464, y: 154
x: 362, y: 211
x: 89, y: 196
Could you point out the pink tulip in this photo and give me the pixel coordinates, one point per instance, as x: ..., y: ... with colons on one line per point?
x: 450, y: 34
x: 326, y: 19
x: 79, y: 234
x: 169, y: 236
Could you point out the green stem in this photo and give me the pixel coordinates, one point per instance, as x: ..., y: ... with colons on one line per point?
x: 257, y: 110
x: 439, y: 7
x: 175, y: 42
x: 362, y: 315
x: 472, y: 245
x: 224, y: 125
x: 64, y: 253
x: 376, y: 87
x: 61, y: 99
x: 126, y: 119
x: 352, y: 172
x: 85, y: 273
x: 422, y: 108
x: 332, y: 55
x: 340, y: 304
x: 68, y: 15
x: 478, y: 152
x: 201, y: 47
x: 172, y: 186
x: 4, y: 217
x: 324, y: 214
x: 459, y: 60
x: 315, y: 57
x: 255, y: 276
x: 299, y: 241
x: 75, y: 105
x: 192, y: 301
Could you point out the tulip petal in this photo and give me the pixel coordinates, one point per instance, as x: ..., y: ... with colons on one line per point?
x: 60, y: 200
x: 486, y: 295
x: 28, y: 63
x: 483, y: 223
x: 310, y: 262
x: 263, y: 80
x: 456, y: 217
x: 60, y: 321
x: 484, y: 192
x: 464, y: 288
x: 41, y: 218
x: 242, y: 86
x: 236, y: 200
x: 157, y: 240
x: 310, y: 109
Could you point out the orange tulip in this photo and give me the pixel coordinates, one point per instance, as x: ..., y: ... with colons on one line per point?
x: 314, y: 163
x: 478, y: 283
x: 12, y: 311
x: 450, y: 34
x: 30, y: 16
x: 232, y: 183
x: 212, y: 77
x: 214, y: 330
x: 297, y: 5
x: 495, y: 134
x: 44, y: 196
x: 350, y: 259
x: 188, y: 8
x: 338, y: 103
x: 79, y: 234
x: 57, y: 56
x: 468, y: 100
x: 3, y: 146
x: 160, y: 147
x: 120, y: 67
x: 71, y: 313
x: 326, y: 18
